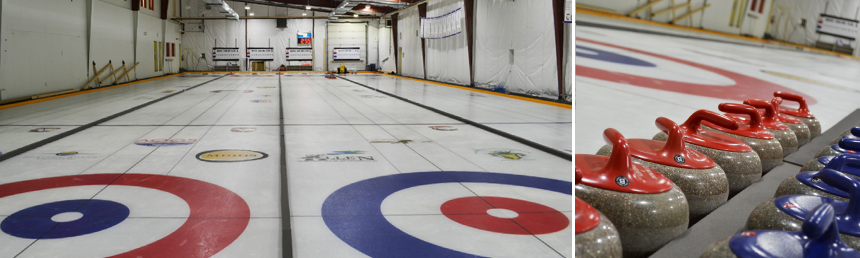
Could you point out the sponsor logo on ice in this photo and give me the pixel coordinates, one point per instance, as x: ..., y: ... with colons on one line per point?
x: 230, y: 155
x: 243, y: 129
x: 506, y: 154
x: 164, y: 142
x: 443, y: 128
x: 44, y: 129
x: 338, y: 156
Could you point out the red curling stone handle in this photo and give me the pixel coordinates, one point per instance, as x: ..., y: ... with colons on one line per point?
x: 793, y: 97
x: 695, y: 121
x: 755, y: 117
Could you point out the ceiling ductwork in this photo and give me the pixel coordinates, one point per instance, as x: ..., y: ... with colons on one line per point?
x: 222, y: 7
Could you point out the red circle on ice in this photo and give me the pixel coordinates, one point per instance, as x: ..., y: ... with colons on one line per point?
x: 218, y: 216
x: 531, y: 218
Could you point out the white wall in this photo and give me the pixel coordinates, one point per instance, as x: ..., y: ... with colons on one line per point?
x: 788, y: 13
x: 319, y: 44
x: 526, y: 27
x: 716, y: 17
x: 347, y: 35
x: 410, y: 43
x: 148, y: 32
x: 386, y: 49
x: 373, y: 42
x: 44, y: 47
x: 447, y: 58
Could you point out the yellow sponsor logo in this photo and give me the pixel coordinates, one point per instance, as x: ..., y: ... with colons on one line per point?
x: 230, y: 155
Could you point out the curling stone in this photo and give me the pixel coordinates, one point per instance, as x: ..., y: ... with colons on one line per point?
x: 850, y: 134
x: 741, y: 164
x: 649, y: 209
x: 801, y: 112
x: 833, y: 150
x: 787, y: 212
x: 817, y: 236
x: 801, y: 130
x: 780, y: 131
x: 595, y: 234
x: 752, y: 133
x: 817, y: 164
x: 703, y: 182
x: 809, y: 182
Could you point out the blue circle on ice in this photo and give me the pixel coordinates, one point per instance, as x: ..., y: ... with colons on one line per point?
x: 354, y: 214
x: 607, y: 56
x: 36, y: 222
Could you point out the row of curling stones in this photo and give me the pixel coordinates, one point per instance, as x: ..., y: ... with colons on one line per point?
x: 787, y: 212
x: 853, y: 133
x: 835, y: 149
x: 809, y: 182
x: 849, y: 145
x: 741, y: 164
x: 818, y: 236
x: 751, y: 132
x: 770, y: 119
x: 596, y: 236
x: 647, y: 208
x: 801, y: 113
x: 703, y: 182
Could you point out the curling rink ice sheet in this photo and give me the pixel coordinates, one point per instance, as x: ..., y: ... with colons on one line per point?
x: 626, y: 80
x: 198, y: 174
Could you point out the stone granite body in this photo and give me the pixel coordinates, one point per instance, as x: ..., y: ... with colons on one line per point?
x: 812, y: 123
x: 812, y: 165
x: 801, y: 131
x: 770, y: 151
x: 786, y: 139
x: 768, y: 216
x: 742, y: 168
x: 827, y: 151
x: 719, y: 249
x: 645, y: 222
x: 836, y: 141
x: 705, y: 189
x: 602, y: 241
x: 792, y: 186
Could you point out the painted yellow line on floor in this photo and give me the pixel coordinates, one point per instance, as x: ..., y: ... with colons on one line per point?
x: 620, y: 17
x: 488, y: 92
x: 18, y: 104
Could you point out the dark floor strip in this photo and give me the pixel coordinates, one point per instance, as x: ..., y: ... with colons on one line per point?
x: 555, y: 152
x: 286, y: 228
x: 18, y: 151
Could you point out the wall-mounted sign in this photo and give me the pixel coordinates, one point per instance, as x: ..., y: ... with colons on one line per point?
x: 225, y: 54
x: 300, y: 54
x: 261, y: 54
x: 837, y: 26
x: 346, y: 53
x: 305, y: 38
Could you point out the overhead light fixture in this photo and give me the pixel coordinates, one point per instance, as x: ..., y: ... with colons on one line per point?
x: 251, y: 14
x: 367, y: 7
x: 304, y: 13
x: 355, y: 15
x: 247, y: 7
x: 307, y: 7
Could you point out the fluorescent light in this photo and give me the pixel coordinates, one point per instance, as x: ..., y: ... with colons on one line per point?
x: 247, y: 7
x: 304, y: 13
x: 367, y: 7
x: 355, y: 15
x: 251, y: 14
x: 307, y: 7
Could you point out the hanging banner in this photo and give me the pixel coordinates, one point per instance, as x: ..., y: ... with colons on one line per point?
x: 225, y: 54
x: 442, y: 26
x: 837, y: 26
x: 568, y: 11
x: 300, y: 54
x: 261, y: 54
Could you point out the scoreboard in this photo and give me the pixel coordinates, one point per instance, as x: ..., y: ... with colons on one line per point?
x: 261, y: 54
x: 299, y: 54
x: 347, y: 53
x: 305, y: 38
x: 225, y: 54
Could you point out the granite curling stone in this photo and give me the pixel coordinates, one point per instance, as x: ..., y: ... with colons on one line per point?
x: 801, y: 130
x: 741, y: 164
x: 817, y: 164
x: 809, y: 182
x: 850, y: 134
x: 595, y: 236
x: 703, y: 182
x: 753, y: 133
x: 787, y: 212
x: 802, y: 112
x: 818, y: 237
x: 648, y: 210
x: 787, y: 139
x: 833, y: 150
